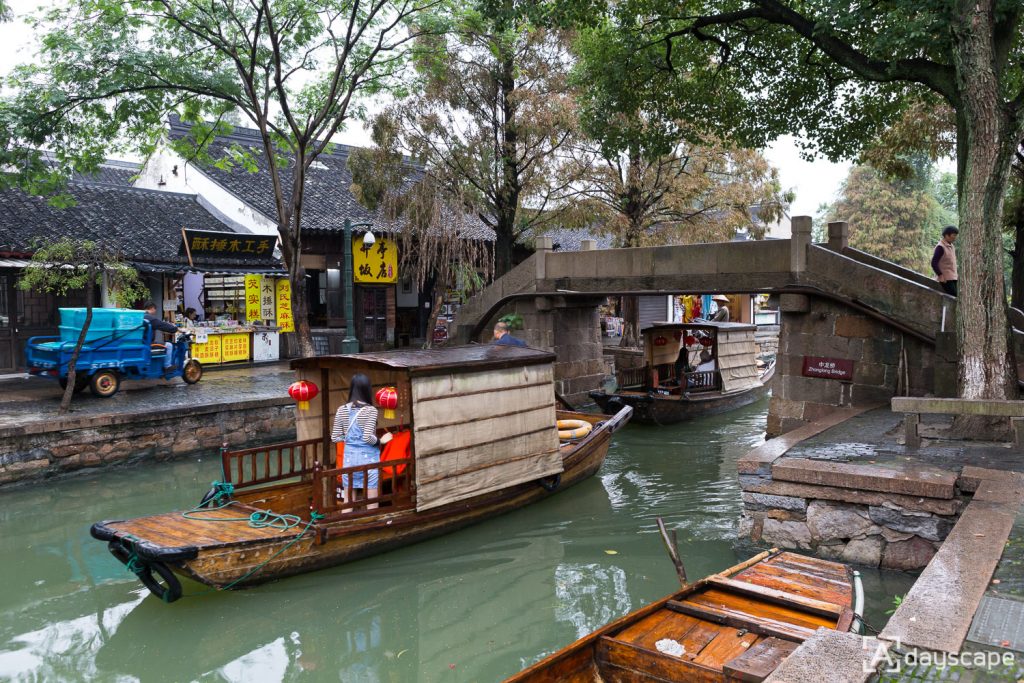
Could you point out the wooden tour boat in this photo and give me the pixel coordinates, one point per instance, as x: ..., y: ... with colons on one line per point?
x: 737, y: 625
x: 476, y: 435
x: 666, y: 389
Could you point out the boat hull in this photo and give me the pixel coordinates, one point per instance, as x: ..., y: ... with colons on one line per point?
x: 651, y: 408
x: 735, y: 625
x: 237, y: 562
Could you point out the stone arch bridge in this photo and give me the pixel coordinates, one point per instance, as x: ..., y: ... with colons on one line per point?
x: 836, y: 302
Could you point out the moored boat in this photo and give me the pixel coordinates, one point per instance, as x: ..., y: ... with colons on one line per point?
x: 476, y: 434
x: 690, y: 370
x: 739, y: 624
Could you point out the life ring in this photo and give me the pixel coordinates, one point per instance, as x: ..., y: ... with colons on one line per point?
x: 144, y: 570
x: 570, y: 430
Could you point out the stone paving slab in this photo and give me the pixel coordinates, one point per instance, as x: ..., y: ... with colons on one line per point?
x: 30, y: 405
x: 759, y: 460
x: 906, y: 478
x: 936, y: 506
x: 831, y: 656
x: 937, y: 612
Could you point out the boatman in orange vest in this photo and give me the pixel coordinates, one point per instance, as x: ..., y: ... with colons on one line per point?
x: 944, y: 260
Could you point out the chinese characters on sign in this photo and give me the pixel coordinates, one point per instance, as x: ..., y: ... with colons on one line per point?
x: 828, y: 368
x: 377, y: 263
x: 253, y: 291
x: 228, y: 244
x: 234, y: 347
x: 283, y: 294
x: 208, y: 352
x: 266, y: 298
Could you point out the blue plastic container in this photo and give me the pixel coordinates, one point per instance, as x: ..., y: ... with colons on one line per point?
x: 110, y: 325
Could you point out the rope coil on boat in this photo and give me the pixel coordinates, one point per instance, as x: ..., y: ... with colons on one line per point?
x: 571, y: 430
x: 218, y: 490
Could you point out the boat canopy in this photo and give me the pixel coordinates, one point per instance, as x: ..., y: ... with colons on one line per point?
x: 732, y: 345
x: 482, y: 416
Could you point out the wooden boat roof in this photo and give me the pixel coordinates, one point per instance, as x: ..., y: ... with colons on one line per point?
x: 423, y: 362
x: 707, y: 325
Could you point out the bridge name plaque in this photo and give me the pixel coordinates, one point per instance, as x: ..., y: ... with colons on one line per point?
x: 828, y: 368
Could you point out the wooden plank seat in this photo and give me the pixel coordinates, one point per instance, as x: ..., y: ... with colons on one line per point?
x: 913, y: 407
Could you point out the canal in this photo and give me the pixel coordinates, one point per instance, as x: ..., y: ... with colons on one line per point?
x: 476, y: 605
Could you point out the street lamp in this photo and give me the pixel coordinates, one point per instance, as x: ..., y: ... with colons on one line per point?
x: 350, y: 344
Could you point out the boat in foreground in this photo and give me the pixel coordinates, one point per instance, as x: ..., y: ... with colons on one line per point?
x: 690, y: 370
x: 476, y: 434
x: 737, y: 625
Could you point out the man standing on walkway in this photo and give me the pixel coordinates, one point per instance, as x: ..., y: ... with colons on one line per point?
x: 502, y: 337
x: 944, y: 260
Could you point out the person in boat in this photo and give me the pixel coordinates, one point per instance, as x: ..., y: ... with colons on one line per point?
x: 355, y: 425
x: 682, y: 365
x: 504, y: 338
x: 722, y: 314
x: 160, y: 325
x: 707, y: 362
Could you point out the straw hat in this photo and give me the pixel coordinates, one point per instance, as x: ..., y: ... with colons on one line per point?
x: 720, y: 297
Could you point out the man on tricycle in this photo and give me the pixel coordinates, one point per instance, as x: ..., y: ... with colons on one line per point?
x: 160, y: 325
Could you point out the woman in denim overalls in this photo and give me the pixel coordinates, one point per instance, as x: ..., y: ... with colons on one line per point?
x: 361, y: 443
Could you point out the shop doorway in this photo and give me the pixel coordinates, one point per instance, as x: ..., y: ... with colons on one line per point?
x: 374, y: 302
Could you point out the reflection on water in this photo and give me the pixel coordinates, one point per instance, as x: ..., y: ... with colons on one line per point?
x: 476, y: 605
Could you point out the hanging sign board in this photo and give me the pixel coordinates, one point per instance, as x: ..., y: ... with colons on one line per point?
x: 828, y: 368
x: 253, y: 289
x: 196, y: 243
x: 266, y: 298
x: 234, y: 347
x: 376, y: 264
x: 283, y: 295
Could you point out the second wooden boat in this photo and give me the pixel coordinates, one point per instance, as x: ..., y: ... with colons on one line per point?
x: 690, y: 370
x: 478, y: 433
x: 737, y: 625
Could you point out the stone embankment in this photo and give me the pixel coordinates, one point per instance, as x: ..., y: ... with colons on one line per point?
x: 64, y: 446
x: 844, y: 489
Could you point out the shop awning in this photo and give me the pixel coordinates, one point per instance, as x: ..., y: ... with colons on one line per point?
x: 13, y: 263
x: 210, y: 269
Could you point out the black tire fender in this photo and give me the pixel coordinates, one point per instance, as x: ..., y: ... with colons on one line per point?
x: 551, y: 484
x: 209, y: 497
x: 144, y: 570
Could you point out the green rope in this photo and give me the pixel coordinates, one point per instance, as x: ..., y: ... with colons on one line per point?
x: 261, y: 519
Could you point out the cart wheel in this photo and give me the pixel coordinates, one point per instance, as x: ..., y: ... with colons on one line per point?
x: 192, y: 372
x: 81, y: 382
x: 105, y: 383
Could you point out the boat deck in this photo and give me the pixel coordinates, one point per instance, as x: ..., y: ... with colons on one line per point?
x: 170, y: 532
x: 724, y: 628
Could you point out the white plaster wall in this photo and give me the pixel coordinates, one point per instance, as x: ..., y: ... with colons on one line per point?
x: 190, y: 180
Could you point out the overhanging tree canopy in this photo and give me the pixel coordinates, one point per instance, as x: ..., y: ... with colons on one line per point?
x: 840, y: 72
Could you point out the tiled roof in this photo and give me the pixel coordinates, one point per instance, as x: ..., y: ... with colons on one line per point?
x: 327, y: 199
x: 143, y: 225
x: 112, y: 173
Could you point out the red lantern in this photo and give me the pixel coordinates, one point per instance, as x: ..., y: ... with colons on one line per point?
x: 706, y: 341
x: 387, y: 398
x: 660, y: 341
x: 303, y: 392
x: 690, y: 340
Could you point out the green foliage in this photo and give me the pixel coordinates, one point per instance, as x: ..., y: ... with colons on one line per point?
x: 897, y: 600
x: 513, y: 320
x: 898, y: 220
x: 67, y: 265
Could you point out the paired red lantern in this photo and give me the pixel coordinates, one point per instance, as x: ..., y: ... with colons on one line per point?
x: 303, y: 391
x: 387, y: 399
x: 690, y: 340
x: 660, y: 341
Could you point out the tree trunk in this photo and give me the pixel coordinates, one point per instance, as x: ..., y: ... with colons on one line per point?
x: 630, y: 322
x: 508, y: 190
x: 69, y: 388
x: 985, y: 142
x: 634, y: 233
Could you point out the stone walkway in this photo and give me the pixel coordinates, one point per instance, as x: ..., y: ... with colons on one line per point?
x: 27, y: 401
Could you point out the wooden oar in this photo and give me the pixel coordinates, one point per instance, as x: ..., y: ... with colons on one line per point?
x: 673, y: 552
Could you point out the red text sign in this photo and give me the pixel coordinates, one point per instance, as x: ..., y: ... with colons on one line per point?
x: 828, y: 368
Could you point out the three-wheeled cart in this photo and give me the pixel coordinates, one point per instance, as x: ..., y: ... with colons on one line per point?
x: 119, y: 345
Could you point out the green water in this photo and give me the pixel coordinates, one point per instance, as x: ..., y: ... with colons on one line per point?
x: 476, y: 605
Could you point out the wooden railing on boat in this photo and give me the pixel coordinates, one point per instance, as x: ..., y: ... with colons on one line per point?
x: 272, y: 463
x: 394, y: 489
x: 663, y: 376
x: 631, y: 377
